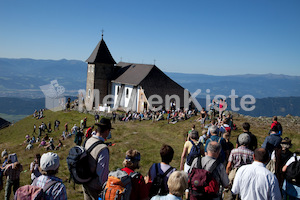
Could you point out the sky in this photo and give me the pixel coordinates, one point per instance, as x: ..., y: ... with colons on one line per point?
x: 215, y: 37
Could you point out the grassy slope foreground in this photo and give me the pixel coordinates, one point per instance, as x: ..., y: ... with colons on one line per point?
x: 145, y: 136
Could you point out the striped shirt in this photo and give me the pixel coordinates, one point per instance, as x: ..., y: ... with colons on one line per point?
x: 57, y: 191
x: 240, y: 156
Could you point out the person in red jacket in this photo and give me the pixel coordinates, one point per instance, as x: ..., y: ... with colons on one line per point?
x: 140, y: 186
x: 275, y: 123
x: 89, y: 132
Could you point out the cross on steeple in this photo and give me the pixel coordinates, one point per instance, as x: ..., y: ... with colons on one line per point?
x: 102, y: 33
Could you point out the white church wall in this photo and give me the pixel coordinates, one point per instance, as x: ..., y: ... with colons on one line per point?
x: 127, y: 94
x: 136, y: 102
x: 114, y: 91
x: 122, y: 102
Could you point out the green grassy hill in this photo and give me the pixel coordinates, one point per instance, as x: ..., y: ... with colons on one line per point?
x: 145, y: 136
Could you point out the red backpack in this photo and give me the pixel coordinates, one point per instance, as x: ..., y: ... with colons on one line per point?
x: 202, y: 184
x: 31, y: 192
x: 88, y: 133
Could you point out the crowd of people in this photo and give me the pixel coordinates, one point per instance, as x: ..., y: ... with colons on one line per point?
x: 172, y: 116
x: 244, y: 171
x: 38, y: 114
x: 43, y: 168
x: 41, y: 135
x: 240, y: 171
x: 42, y: 138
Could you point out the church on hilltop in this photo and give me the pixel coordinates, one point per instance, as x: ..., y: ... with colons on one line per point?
x: 129, y: 84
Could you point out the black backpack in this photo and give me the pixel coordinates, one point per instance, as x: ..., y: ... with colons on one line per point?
x: 77, y: 161
x: 158, y: 186
x: 293, y: 172
x: 279, y: 128
x: 194, y: 153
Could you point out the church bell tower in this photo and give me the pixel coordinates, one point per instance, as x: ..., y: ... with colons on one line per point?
x: 100, y: 71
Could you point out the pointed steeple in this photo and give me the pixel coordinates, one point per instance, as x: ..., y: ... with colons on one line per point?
x: 101, y: 54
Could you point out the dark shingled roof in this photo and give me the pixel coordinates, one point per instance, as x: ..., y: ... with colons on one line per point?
x: 158, y: 83
x: 131, y: 73
x: 4, y: 123
x: 101, y: 54
x: 151, y: 78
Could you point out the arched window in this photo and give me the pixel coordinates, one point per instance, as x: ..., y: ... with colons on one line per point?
x: 89, y: 93
x: 127, y: 92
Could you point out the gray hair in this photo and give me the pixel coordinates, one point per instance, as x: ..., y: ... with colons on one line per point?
x: 244, y: 139
x: 214, y: 147
x: 213, y: 129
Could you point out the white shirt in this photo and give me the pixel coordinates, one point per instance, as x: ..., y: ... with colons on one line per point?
x: 254, y: 181
x: 74, y: 128
x: 292, y: 159
x: 288, y: 187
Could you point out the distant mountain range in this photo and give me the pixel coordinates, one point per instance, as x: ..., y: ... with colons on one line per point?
x: 22, y: 78
x: 259, y: 86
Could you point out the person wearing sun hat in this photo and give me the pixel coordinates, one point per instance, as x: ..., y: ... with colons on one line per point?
x: 49, y: 165
x: 286, y: 154
x: 12, y: 172
x: 100, y: 153
x: 283, y: 156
